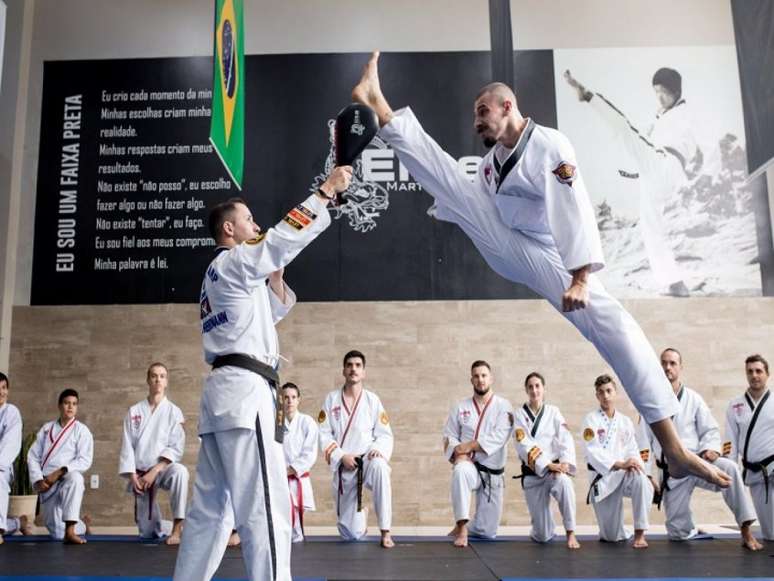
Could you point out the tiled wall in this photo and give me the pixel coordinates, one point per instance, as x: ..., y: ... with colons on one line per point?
x: 418, y: 354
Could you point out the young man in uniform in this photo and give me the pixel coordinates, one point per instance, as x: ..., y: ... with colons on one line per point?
x: 151, y: 452
x: 700, y: 434
x: 615, y: 468
x: 62, y: 452
x: 300, y: 446
x: 750, y: 438
x: 241, y: 458
x: 356, y: 440
x: 529, y: 215
x: 547, y: 452
x: 10, y: 446
x: 475, y: 441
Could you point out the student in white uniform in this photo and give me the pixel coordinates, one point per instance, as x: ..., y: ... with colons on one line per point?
x: 615, y: 468
x: 241, y: 458
x: 300, y: 445
x: 356, y: 440
x: 10, y: 446
x: 62, y: 452
x: 151, y: 452
x: 700, y: 434
x: 475, y: 441
x: 547, y: 452
x: 750, y: 439
x: 529, y: 215
x: 665, y: 155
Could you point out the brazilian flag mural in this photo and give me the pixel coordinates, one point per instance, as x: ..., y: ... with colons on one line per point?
x: 227, y: 129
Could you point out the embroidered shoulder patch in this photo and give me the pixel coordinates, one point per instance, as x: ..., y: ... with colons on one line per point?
x: 300, y: 217
x: 726, y: 448
x: 588, y: 434
x: 565, y: 173
x: 257, y: 240
x: 384, y: 418
x: 520, y: 435
x: 321, y: 417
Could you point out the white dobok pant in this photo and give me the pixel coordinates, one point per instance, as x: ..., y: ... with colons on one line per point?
x: 64, y: 504
x: 520, y: 258
x: 538, y: 492
x: 9, y: 525
x: 376, y: 478
x: 764, y: 510
x: 677, y: 501
x: 230, y: 467
x: 489, y: 500
x: 147, y: 512
x: 610, y: 510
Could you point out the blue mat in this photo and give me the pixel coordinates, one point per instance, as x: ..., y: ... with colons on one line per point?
x: 91, y: 578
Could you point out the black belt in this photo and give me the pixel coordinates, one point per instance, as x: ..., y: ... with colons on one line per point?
x: 359, y: 470
x: 268, y: 373
x: 527, y: 471
x: 594, y: 482
x: 486, y: 481
x: 760, y: 466
x: 659, y: 496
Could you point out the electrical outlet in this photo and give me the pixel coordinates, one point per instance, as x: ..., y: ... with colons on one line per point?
x: 94, y: 481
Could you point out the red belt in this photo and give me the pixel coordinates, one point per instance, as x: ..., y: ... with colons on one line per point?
x: 299, y: 499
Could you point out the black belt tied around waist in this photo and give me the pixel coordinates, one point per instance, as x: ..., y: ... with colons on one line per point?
x: 485, y: 474
x: 593, y: 486
x: 359, y: 476
x: 760, y: 466
x: 527, y: 471
x: 269, y: 374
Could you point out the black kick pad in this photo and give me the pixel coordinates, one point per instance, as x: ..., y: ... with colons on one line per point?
x: 356, y: 126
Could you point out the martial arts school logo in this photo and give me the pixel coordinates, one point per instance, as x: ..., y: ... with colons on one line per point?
x: 321, y: 417
x: 738, y: 407
x: 136, y: 421
x: 336, y: 412
x: 465, y: 416
x: 357, y: 127
x: 601, y: 434
x: 366, y: 200
x: 565, y: 173
x: 588, y: 434
x: 488, y: 174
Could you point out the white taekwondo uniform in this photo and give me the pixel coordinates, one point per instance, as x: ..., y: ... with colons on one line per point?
x: 70, y: 446
x: 662, y: 156
x: 149, y: 436
x: 239, y: 457
x: 607, y: 441
x: 491, y: 426
x: 10, y: 446
x: 358, y: 431
x: 535, y: 227
x: 541, y: 439
x: 698, y: 432
x: 755, y: 448
x: 300, y: 446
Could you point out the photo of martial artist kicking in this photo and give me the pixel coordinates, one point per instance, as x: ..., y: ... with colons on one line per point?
x: 529, y: 215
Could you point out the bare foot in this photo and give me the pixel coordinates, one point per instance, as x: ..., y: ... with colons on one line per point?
x: 639, y: 540
x: 368, y: 90
x: 25, y: 527
x: 583, y: 94
x: 174, y: 536
x: 460, y: 534
x: 748, y: 539
x: 387, y: 542
x: 682, y: 463
x: 71, y: 538
x: 234, y: 540
x: 1, y: 537
x: 87, y: 521
x: 572, y: 541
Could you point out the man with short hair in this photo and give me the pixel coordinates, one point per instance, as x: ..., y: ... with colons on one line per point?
x: 547, y: 452
x: 475, y: 441
x: 529, y: 215
x: 241, y: 459
x: 151, y: 454
x: 666, y: 156
x: 356, y: 440
x: 616, y: 469
x: 700, y: 434
x: 750, y: 438
x: 10, y: 446
x: 300, y: 446
x: 62, y: 452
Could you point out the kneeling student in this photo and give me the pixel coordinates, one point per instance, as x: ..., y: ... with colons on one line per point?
x: 152, y: 448
x: 475, y: 442
x: 62, y: 452
x: 615, y: 468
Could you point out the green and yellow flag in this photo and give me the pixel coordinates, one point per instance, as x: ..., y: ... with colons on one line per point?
x: 227, y: 129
